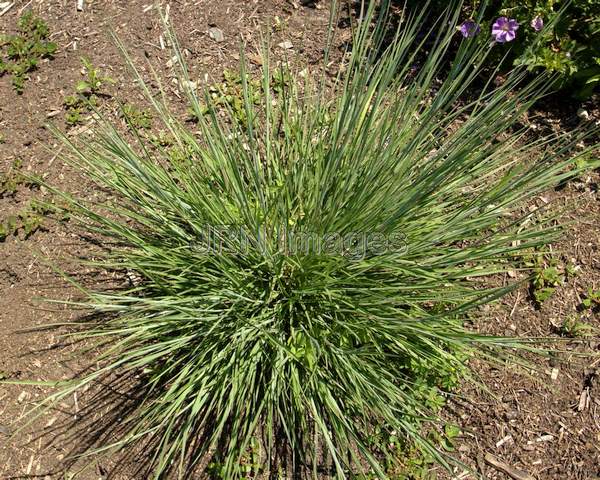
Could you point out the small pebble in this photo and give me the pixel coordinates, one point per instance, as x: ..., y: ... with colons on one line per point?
x: 583, y: 114
x: 216, y: 34
x: 287, y: 45
x: 511, y: 415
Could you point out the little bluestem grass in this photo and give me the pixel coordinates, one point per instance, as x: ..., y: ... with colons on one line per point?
x: 313, y: 350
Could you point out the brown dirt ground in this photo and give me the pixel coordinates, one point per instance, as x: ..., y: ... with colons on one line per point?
x: 547, y: 424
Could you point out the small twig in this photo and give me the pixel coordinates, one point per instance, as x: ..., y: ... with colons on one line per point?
x: 55, y: 156
x: 24, y: 7
x: 6, y: 6
x: 506, y: 468
x: 512, y: 312
x: 584, y: 400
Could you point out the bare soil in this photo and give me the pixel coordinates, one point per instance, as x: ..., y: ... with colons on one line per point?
x: 546, y: 424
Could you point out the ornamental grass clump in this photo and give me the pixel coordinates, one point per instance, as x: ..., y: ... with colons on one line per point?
x: 301, y: 279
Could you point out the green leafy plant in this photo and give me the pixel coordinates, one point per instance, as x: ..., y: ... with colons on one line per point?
x: 25, y: 222
x: 30, y: 222
x: 451, y: 433
x: 137, y: 118
x: 250, y: 465
x: 22, y: 52
x: 548, y: 273
x: 568, y: 47
x: 228, y: 96
x: 282, y: 78
x: 402, y: 459
x: 301, y: 277
x: 11, y: 180
x: 592, y: 299
x: 94, y: 80
x: 279, y: 25
x: 29, y: 219
x: 76, y: 107
x: 87, y: 93
x: 161, y: 139
x: 572, y: 326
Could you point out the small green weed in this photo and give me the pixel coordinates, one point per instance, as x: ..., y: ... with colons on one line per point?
x: 584, y: 161
x: 574, y: 327
x: 250, y: 465
x: 548, y: 273
x: 22, y: 52
x: 11, y: 180
x: 571, y: 269
x: 76, y: 107
x: 136, y: 118
x: 229, y: 94
x: 592, y: 299
x: 161, y: 139
x: 282, y: 79
x: 93, y: 81
x: 279, y: 25
x: 87, y: 93
x: 27, y: 221
x: 405, y: 460
x: 417, y: 464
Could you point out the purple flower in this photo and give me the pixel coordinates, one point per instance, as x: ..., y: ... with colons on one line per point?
x: 537, y: 23
x: 505, y: 29
x: 469, y: 29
